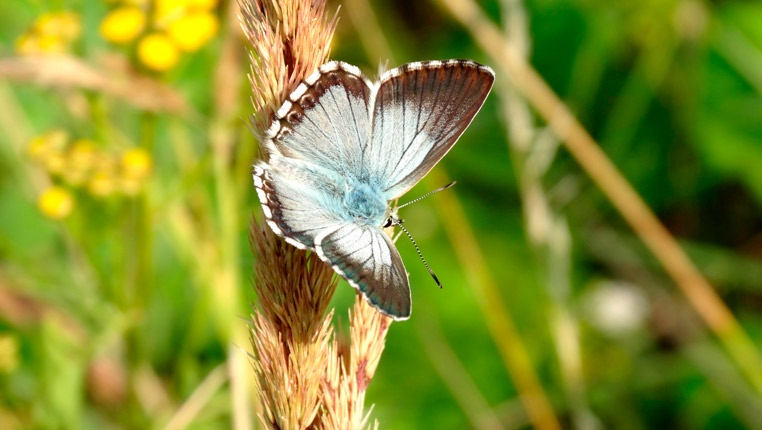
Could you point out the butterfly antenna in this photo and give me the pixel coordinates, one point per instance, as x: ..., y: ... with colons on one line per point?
x: 418, y: 250
x: 426, y: 195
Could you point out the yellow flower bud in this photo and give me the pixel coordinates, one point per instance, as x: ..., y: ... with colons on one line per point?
x: 52, y: 33
x: 123, y: 25
x: 158, y: 52
x: 55, y: 163
x: 101, y: 184
x: 136, y: 163
x: 56, y: 203
x: 102, y: 179
x: 50, y: 44
x: 37, y: 44
x: 65, y: 26
x: 48, y: 143
x: 166, y: 11
x: 190, y: 32
x: 80, y: 160
x: 202, y: 4
x: 27, y: 44
x: 83, y: 154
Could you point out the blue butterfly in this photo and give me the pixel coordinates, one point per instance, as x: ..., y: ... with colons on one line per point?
x: 342, y: 147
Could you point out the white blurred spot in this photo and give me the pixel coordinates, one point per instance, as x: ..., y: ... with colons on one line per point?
x: 616, y: 308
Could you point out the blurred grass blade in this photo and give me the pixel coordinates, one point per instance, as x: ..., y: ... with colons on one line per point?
x: 455, y: 375
x: 620, y: 193
x: 487, y: 293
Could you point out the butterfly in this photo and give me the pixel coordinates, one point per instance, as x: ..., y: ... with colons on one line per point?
x: 341, y: 148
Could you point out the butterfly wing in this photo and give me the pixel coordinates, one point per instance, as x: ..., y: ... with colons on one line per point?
x: 368, y: 260
x: 300, y: 202
x: 337, y: 124
x: 317, y: 136
x: 325, y: 121
x: 298, y: 199
x: 419, y: 111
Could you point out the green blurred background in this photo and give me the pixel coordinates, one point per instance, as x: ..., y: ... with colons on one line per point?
x: 114, y: 312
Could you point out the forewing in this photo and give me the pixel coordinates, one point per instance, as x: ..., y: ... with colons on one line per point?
x: 419, y: 111
x: 325, y: 121
x: 298, y: 200
x: 368, y: 260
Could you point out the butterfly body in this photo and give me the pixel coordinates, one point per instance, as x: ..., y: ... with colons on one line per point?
x: 342, y: 147
x: 365, y: 203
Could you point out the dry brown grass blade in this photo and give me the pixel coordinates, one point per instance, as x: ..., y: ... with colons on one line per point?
x: 71, y: 72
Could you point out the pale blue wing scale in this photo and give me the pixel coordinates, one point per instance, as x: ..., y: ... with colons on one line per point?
x: 365, y: 256
x: 298, y: 200
x: 325, y: 121
x: 419, y: 111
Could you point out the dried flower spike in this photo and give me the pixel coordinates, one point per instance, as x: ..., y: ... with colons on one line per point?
x: 307, y: 375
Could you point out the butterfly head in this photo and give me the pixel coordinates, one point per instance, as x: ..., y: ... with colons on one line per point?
x: 392, y: 219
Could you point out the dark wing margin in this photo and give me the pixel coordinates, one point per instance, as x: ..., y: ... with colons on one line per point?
x: 368, y: 260
x: 419, y: 112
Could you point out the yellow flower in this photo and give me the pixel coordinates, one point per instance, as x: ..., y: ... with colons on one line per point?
x: 52, y: 142
x: 166, y: 11
x: 101, y: 184
x: 80, y: 161
x: 63, y: 25
x: 52, y: 33
x: 191, y: 31
x: 26, y: 44
x: 123, y: 25
x: 83, y: 154
x: 55, y: 163
x: 157, y: 52
x: 136, y: 167
x: 102, y: 179
x: 56, y: 203
x: 202, y: 4
x: 36, y: 44
x: 51, y: 44
x: 48, y: 150
x: 136, y: 163
x: 9, y: 353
